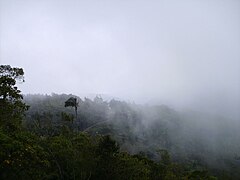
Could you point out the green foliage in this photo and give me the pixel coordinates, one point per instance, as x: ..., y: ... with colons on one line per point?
x: 11, y: 105
x: 22, y: 157
x: 126, y: 123
x: 67, y: 117
x: 130, y: 167
x: 165, y: 157
x: 53, y: 146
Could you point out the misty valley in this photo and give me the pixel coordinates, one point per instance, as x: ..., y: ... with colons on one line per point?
x: 48, y: 137
x: 120, y: 90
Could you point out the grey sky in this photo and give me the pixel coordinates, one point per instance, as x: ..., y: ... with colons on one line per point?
x: 175, y: 51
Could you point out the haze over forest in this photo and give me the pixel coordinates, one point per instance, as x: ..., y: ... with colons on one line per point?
x: 181, y: 53
x: 120, y: 89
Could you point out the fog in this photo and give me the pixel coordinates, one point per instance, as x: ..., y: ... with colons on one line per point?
x: 185, y: 54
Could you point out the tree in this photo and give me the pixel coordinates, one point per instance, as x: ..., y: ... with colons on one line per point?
x: 73, y: 103
x: 11, y: 106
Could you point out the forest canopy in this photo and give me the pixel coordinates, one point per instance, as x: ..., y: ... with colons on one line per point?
x: 42, y: 139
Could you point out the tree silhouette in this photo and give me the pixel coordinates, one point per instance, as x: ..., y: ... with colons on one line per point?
x: 11, y: 106
x: 73, y: 103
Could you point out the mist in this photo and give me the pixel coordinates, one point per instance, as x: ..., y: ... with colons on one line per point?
x: 183, y: 54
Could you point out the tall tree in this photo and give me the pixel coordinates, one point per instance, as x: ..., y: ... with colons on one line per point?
x: 11, y: 106
x: 73, y: 103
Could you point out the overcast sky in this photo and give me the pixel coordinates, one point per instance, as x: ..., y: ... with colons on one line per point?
x: 182, y: 52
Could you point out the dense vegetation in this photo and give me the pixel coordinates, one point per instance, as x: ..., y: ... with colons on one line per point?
x: 107, y: 140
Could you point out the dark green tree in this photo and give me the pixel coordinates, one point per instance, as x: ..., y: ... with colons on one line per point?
x: 73, y: 103
x: 11, y: 106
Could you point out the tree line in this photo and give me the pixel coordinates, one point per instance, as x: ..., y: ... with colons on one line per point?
x: 41, y: 139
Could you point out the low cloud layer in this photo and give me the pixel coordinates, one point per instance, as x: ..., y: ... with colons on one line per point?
x: 184, y: 53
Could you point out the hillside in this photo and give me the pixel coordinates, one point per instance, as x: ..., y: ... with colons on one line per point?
x: 143, y: 129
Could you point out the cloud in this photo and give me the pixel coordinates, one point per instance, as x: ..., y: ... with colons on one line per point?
x: 183, y: 52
